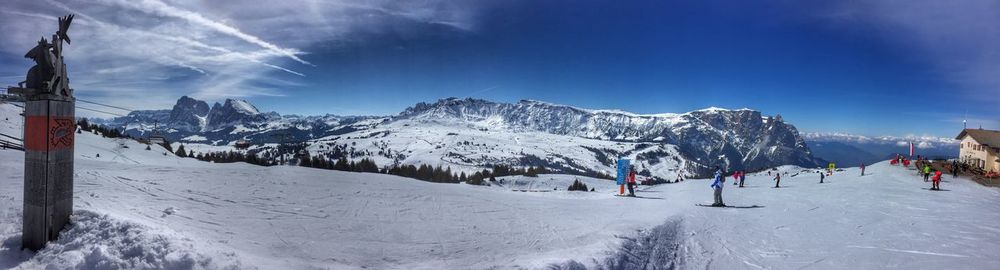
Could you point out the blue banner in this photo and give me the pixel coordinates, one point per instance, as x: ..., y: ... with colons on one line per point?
x: 622, y: 170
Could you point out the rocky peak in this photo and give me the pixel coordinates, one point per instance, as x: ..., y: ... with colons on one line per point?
x: 188, y: 114
x: 233, y: 112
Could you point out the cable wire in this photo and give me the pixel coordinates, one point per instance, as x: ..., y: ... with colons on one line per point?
x: 106, y: 105
x: 100, y: 111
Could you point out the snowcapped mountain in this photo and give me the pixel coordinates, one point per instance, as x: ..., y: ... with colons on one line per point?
x: 192, y: 120
x: 188, y: 114
x: 471, y: 134
x: 235, y: 112
x: 474, y: 132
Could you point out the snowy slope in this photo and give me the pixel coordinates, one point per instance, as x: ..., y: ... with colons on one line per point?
x: 471, y: 148
x: 139, y: 208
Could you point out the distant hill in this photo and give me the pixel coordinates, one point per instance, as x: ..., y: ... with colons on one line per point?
x: 852, y: 150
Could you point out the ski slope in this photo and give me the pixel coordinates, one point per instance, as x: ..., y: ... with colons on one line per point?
x: 466, y: 147
x: 142, y: 209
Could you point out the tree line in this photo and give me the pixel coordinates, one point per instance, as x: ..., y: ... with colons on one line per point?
x: 438, y: 174
x: 423, y: 172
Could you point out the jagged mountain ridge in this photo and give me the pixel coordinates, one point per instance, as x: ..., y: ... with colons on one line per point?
x: 192, y: 120
x: 456, y: 131
x: 743, y: 138
x: 472, y: 133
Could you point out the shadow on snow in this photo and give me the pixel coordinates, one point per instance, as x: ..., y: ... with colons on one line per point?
x: 658, y: 248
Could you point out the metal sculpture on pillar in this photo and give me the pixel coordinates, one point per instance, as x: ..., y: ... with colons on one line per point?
x: 49, y: 126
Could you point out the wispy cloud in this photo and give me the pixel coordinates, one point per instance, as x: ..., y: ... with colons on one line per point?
x: 160, y: 8
x: 145, y: 53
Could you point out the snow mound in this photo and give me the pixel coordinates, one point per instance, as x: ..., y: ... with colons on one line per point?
x: 95, y: 241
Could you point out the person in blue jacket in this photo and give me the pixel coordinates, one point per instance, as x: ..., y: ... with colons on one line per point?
x: 717, y: 185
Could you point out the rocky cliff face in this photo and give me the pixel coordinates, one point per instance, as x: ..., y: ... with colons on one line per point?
x: 730, y: 139
x: 228, y: 121
x: 188, y: 115
x: 234, y: 112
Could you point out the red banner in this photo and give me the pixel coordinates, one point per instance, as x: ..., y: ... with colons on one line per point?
x: 44, y: 133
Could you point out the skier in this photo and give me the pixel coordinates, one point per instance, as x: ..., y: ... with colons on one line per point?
x: 927, y: 172
x: 631, y: 181
x: 736, y: 176
x: 821, y: 177
x: 717, y: 185
x: 777, y: 178
x: 936, y: 185
x: 954, y: 168
x: 743, y: 177
x: 862, y: 169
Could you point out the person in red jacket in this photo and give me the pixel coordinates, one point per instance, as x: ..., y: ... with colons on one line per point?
x: 631, y: 181
x: 936, y: 185
x: 736, y: 178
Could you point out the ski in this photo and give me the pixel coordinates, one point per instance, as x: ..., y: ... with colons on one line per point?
x: 731, y: 206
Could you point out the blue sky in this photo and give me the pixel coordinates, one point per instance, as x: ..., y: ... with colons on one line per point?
x: 869, y: 68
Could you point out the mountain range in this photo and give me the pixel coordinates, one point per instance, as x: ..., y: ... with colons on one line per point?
x: 470, y: 134
x: 852, y: 150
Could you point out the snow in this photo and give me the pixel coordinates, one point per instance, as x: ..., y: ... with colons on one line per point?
x: 607, y: 111
x: 712, y: 109
x: 101, y: 242
x: 444, y: 143
x: 195, y: 138
x: 244, y: 107
x: 142, y: 209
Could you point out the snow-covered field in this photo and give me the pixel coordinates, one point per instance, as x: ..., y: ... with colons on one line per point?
x: 465, y: 147
x: 142, y: 209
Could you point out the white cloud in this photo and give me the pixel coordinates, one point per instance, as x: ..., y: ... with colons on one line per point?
x: 147, y: 53
x: 160, y: 8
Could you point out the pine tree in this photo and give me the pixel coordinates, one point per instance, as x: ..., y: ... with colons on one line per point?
x: 166, y: 145
x: 181, y: 152
x: 577, y: 186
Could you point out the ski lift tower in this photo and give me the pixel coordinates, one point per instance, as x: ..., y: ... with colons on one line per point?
x: 49, y: 126
x: 156, y: 137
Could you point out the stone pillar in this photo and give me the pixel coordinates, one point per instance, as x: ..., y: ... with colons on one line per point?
x: 49, y: 129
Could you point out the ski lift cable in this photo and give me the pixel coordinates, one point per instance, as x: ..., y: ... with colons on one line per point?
x: 100, y: 111
x: 94, y: 103
x: 11, y: 137
x: 105, y: 105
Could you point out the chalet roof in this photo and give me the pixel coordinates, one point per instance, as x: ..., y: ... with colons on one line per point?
x: 983, y: 136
